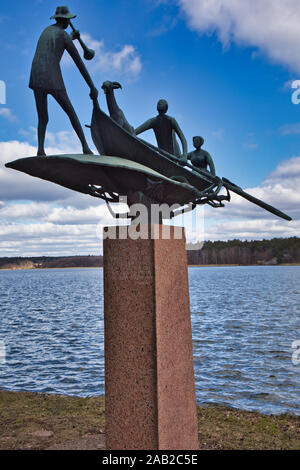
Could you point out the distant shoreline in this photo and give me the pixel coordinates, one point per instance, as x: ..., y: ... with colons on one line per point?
x: 275, y: 252
x: 189, y: 266
x: 46, y: 269
x: 238, y: 265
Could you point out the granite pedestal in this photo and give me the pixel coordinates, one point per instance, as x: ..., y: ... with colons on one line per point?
x: 149, y: 377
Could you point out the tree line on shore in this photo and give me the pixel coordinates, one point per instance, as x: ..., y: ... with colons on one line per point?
x: 237, y: 252
x: 46, y: 262
x: 256, y: 252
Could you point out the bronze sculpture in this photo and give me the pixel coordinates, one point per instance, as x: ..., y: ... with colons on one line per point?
x: 165, y: 128
x: 201, y: 158
x: 126, y: 165
x: 115, y: 111
x: 46, y: 78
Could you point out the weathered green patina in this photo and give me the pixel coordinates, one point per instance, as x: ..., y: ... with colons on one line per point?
x: 46, y: 77
x: 105, y: 174
x: 136, y: 169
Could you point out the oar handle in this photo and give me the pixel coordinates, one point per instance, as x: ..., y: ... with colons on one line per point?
x: 88, y: 53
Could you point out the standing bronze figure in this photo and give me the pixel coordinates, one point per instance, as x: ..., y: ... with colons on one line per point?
x: 165, y: 129
x: 46, y: 78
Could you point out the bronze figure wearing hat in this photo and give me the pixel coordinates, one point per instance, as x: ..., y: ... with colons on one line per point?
x: 62, y: 12
x: 46, y: 77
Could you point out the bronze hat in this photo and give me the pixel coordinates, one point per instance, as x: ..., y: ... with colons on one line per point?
x: 63, y: 12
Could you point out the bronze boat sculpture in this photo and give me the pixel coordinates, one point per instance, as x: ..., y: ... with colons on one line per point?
x: 112, y: 139
x: 127, y: 165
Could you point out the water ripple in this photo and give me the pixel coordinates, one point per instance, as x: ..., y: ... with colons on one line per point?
x: 244, y: 321
x: 245, y: 335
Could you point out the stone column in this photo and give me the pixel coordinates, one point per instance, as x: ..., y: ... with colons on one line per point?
x: 149, y: 377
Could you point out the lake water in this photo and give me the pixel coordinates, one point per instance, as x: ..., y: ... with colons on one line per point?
x: 244, y: 321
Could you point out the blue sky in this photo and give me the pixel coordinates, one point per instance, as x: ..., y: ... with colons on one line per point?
x: 225, y: 68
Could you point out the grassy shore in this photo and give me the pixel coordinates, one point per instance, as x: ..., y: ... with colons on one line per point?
x: 39, y: 421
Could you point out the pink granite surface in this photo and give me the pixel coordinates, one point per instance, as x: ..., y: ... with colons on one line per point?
x: 149, y: 377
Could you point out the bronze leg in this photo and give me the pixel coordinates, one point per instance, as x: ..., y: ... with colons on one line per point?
x: 42, y: 110
x: 63, y: 100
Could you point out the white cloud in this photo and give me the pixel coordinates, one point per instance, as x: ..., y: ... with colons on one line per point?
x: 290, y: 129
x: 287, y: 170
x: 242, y: 219
x: 33, y: 210
x: 125, y: 62
x: 16, y: 185
x: 18, y: 239
x: 62, y: 142
x: 52, y: 220
x: 71, y: 215
x: 7, y: 114
x: 58, y: 221
x: 271, y: 26
x: 252, y: 229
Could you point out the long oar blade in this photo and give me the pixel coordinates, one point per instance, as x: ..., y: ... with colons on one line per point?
x: 236, y: 189
x: 227, y: 184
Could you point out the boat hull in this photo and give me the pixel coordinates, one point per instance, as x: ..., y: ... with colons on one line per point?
x: 111, y: 139
x: 111, y: 174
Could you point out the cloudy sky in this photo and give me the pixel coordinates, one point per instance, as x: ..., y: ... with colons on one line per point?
x: 226, y: 68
